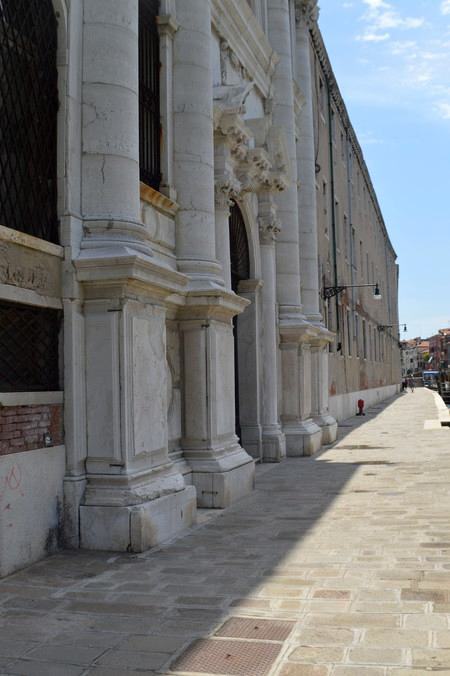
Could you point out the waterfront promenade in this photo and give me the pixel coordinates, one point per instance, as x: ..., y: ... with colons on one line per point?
x: 336, y: 565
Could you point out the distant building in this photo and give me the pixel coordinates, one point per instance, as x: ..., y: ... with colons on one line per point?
x: 430, y: 354
x: 439, y: 351
x: 412, y: 357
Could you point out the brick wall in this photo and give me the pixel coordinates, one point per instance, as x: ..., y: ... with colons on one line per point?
x: 22, y: 428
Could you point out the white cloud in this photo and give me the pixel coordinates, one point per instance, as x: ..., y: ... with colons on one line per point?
x: 443, y: 110
x: 445, y: 7
x: 381, y: 16
x: 373, y: 37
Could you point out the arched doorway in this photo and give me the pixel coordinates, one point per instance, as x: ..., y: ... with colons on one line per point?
x: 240, y: 271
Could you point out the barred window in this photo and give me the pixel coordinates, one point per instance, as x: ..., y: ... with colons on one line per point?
x: 29, y: 354
x: 149, y: 107
x: 28, y: 117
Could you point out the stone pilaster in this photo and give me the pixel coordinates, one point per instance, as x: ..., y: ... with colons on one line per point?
x: 320, y: 391
x: 221, y: 470
x: 225, y: 188
x: 250, y: 368
x: 273, y: 440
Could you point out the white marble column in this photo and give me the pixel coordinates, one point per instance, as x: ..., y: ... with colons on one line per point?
x: 273, y: 440
x: 134, y: 497
x: 287, y: 249
x: 222, y: 221
x: 306, y: 15
x: 110, y: 128
x: 249, y: 360
x: 194, y: 144
x: 221, y: 470
x: 302, y: 436
x: 309, y: 256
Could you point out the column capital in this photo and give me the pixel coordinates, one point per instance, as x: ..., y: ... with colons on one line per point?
x: 167, y: 24
x: 306, y: 12
x: 226, y: 187
x: 268, y: 222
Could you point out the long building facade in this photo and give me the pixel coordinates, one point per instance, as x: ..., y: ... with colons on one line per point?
x: 167, y: 232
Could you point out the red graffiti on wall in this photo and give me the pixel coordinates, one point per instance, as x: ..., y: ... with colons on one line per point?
x: 11, y: 482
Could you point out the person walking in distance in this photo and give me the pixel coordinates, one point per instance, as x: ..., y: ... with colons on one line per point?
x: 411, y: 384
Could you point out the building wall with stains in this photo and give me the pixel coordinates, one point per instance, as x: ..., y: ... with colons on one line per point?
x: 354, y: 252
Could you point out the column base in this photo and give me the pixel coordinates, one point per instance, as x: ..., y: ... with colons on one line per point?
x: 329, y: 426
x: 135, y: 528
x: 74, y: 488
x: 217, y: 490
x: 273, y: 444
x: 251, y: 440
x: 303, y: 438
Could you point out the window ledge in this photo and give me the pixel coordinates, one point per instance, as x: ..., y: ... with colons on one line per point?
x: 157, y: 200
x: 30, y: 242
x: 30, y: 398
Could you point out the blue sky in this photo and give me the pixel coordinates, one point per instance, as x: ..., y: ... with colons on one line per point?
x: 392, y: 62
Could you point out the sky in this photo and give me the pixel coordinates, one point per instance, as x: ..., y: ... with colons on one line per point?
x: 392, y: 63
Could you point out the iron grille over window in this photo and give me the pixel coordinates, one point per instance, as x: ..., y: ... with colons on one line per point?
x: 239, y: 252
x: 29, y: 339
x: 28, y: 117
x: 149, y: 115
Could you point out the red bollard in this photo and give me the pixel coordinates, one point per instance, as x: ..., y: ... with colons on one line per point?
x: 360, y: 407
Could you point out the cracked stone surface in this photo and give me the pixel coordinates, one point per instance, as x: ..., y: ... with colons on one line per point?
x: 350, y: 549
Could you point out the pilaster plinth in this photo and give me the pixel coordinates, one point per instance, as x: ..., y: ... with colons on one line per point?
x: 134, y: 496
x: 303, y: 436
x: 221, y: 470
x: 320, y: 386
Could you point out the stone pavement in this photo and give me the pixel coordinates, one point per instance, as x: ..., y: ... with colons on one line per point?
x: 336, y: 565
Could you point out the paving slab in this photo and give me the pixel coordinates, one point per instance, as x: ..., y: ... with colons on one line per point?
x: 336, y: 565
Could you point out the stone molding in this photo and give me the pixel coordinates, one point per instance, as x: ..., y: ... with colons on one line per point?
x: 157, y: 200
x: 30, y: 242
x: 244, y: 37
x: 167, y: 24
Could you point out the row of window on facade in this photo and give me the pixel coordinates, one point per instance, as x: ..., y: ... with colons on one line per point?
x: 30, y: 336
x: 356, y: 336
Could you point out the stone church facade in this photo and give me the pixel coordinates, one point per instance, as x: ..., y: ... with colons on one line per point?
x: 163, y: 255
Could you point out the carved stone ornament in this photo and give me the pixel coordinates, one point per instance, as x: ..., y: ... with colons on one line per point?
x: 306, y: 11
x: 268, y: 229
x: 227, y: 187
x: 269, y: 224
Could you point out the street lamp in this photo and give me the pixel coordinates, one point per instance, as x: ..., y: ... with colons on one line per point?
x: 383, y: 327
x: 330, y: 291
